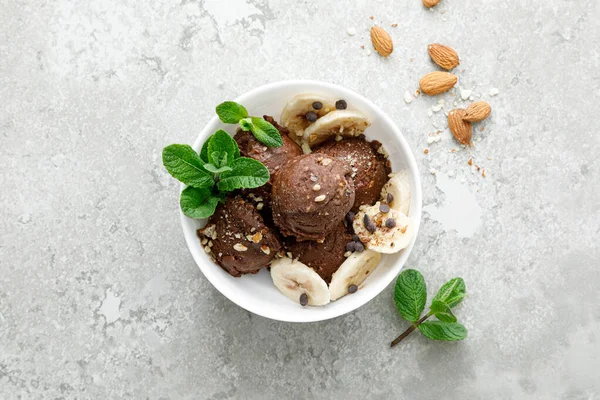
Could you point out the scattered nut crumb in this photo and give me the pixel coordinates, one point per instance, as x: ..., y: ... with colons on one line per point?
x: 482, y: 128
x: 483, y: 173
x: 426, y: 151
x: 417, y: 93
x: 407, y: 97
x: 260, y: 206
x: 320, y: 198
x: 403, y: 230
x: 371, y: 17
x: 465, y: 93
x: 432, y: 171
x: 239, y: 247
x: 494, y: 92
x: 362, y: 47
x: 351, y: 31
x: 411, y: 59
x: 394, y: 25
x: 470, y: 162
x: 317, y: 187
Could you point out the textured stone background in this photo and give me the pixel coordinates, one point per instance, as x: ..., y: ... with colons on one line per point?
x: 99, y: 297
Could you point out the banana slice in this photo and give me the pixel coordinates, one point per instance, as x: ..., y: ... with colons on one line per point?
x: 339, y: 122
x: 353, y: 271
x: 385, y: 232
x: 293, y: 115
x: 294, y: 279
x: 399, y: 188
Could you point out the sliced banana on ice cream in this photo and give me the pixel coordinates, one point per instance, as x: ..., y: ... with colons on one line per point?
x: 383, y: 229
x: 340, y: 122
x: 294, y: 113
x: 396, y: 192
x: 353, y: 272
x: 299, y: 282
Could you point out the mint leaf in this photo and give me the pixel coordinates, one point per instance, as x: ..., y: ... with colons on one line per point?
x: 221, y: 141
x: 266, y: 133
x: 218, y: 158
x: 451, y: 292
x: 185, y: 165
x: 246, y: 124
x: 410, y: 294
x: 231, y: 112
x: 204, y: 151
x: 437, y: 330
x: 246, y: 173
x: 215, y: 170
x: 442, y: 311
x: 198, y: 203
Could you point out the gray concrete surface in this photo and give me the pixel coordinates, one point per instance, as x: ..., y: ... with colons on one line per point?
x: 99, y: 297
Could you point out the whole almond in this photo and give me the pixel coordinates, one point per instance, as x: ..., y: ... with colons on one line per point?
x: 382, y: 41
x: 437, y: 82
x: 477, y: 111
x: 461, y: 129
x: 430, y: 3
x: 443, y: 56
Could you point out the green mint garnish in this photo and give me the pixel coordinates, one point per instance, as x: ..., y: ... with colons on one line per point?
x: 449, y: 331
x: 442, y: 311
x: 198, y: 203
x: 185, y: 165
x: 210, y: 175
x: 410, y: 295
x: 266, y: 133
x: 231, y: 112
x: 246, y: 173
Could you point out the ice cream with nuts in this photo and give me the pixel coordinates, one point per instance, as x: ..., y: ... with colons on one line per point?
x: 237, y: 238
x: 311, y: 195
x: 370, y: 168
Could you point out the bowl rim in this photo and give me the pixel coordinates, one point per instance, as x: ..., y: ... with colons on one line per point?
x: 192, y: 239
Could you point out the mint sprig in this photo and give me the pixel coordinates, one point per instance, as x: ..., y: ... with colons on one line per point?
x: 231, y: 112
x: 213, y: 173
x: 410, y: 295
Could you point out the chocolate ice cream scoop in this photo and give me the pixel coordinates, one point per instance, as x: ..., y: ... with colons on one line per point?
x: 326, y: 257
x: 238, y: 239
x: 311, y: 194
x: 370, y: 169
x: 272, y: 157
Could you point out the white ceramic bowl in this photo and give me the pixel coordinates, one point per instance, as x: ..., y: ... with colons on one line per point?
x: 256, y: 293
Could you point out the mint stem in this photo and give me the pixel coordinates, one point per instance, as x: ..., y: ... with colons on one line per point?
x: 409, y: 331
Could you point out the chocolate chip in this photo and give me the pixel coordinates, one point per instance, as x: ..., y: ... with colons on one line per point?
x: 352, y: 288
x: 350, y: 217
x: 359, y: 247
x: 355, y: 238
x: 317, y: 105
x: 389, y: 198
x: 350, y: 246
x: 303, y: 299
x: 311, y: 116
x: 362, y: 136
x: 371, y: 227
x: 384, y: 208
x: 366, y: 220
x: 390, y: 223
x: 341, y: 104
